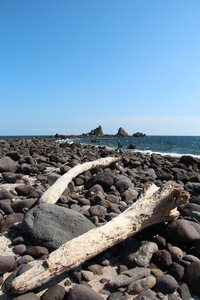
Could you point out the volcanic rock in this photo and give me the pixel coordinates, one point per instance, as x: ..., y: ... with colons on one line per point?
x: 142, y: 256
x: 11, y: 177
x: 28, y: 296
x: 7, y: 263
x: 8, y: 165
x: 97, y: 131
x: 5, y: 194
x: 162, y: 258
x: 166, y: 284
x: 192, y: 277
x: 82, y: 292
x: 183, y: 231
x: 52, y: 225
x: 121, y: 132
x: 141, y: 284
x: 56, y: 292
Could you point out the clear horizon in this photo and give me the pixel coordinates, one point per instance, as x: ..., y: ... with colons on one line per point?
x: 68, y: 66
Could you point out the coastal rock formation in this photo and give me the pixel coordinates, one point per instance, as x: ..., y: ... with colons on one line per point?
x: 132, y: 146
x: 138, y: 134
x: 121, y: 132
x: 97, y: 131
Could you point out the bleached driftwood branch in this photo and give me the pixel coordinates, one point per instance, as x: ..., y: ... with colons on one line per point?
x: 155, y: 205
x: 55, y: 191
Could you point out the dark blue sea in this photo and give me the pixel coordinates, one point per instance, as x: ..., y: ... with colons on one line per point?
x: 172, y: 145
x: 166, y: 145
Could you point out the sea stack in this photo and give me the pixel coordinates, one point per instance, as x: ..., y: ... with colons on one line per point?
x: 97, y: 131
x: 121, y: 132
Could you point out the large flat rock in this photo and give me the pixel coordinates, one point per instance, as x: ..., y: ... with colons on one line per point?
x: 52, y: 225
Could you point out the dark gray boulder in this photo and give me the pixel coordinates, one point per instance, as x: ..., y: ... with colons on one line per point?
x: 55, y: 292
x: 52, y: 225
x: 5, y: 194
x: 192, y: 277
x: 11, y: 177
x: 166, y: 284
x: 82, y: 292
x: 183, y: 231
x: 8, y: 165
x: 28, y: 296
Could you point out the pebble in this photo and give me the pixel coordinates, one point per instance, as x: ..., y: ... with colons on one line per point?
x: 176, y: 270
x: 8, y: 165
x: 162, y: 258
x: 19, y: 249
x: 23, y: 190
x: 119, y: 281
x: 96, y: 269
x: 157, y: 272
x: 18, y: 240
x: 5, y: 194
x: 143, y: 255
x: 7, y: 263
x: 24, y: 260
x: 185, y: 292
x: 183, y: 231
x: 56, y: 292
x: 160, y: 241
x: 37, y: 251
x: 117, y: 296
x: 87, y: 275
x: 121, y: 269
x: 176, y: 252
x: 192, y: 277
x: 81, y: 291
x: 141, y: 284
x: 28, y: 296
x: 166, y: 284
x: 97, y: 210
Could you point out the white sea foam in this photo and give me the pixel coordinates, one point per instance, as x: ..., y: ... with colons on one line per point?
x: 148, y: 152
x: 165, y: 153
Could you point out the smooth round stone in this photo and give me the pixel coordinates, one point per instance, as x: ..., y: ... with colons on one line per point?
x: 51, y: 225
x: 37, y: 251
x: 166, y: 284
x: 7, y: 263
x: 87, y: 275
x: 96, y: 269
x: 192, y: 277
x: 162, y: 258
x: 19, y: 249
x: 28, y: 296
x: 117, y: 296
x: 81, y: 291
x: 56, y: 292
x: 176, y: 252
x: 122, y: 268
x: 24, y: 260
x: 142, y: 284
x: 18, y: 240
x: 160, y: 241
x: 176, y: 270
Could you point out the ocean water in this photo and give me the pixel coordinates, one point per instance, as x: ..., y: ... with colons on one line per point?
x: 171, y: 145
x: 166, y: 145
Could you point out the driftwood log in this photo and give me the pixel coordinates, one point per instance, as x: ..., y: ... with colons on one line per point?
x: 154, y: 205
x: 55, y: 191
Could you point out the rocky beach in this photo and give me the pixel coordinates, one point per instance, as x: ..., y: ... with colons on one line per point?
x: 159, y: 262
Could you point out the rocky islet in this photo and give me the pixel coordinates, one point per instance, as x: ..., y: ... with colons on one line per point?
x: 159, y: 262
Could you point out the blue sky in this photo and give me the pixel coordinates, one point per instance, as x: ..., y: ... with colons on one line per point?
x: 69, y: 65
